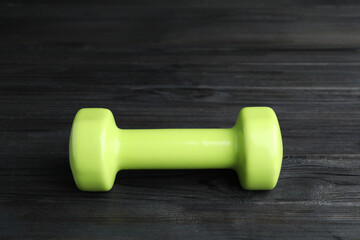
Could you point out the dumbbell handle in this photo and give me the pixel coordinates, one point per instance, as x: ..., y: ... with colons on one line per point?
x: 176, y: 148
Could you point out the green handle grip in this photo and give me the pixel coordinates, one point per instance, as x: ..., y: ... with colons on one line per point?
x: 98, y: 149
x: 177, y: 148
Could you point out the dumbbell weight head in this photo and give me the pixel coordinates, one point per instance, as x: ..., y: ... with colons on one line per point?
x: 93, y: 149
x: 260, y: 148
x: 254, y: 146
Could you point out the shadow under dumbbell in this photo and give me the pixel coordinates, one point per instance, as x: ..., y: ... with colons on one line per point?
x: 157, y: 185
x: 189, y: 184
x: 163, y: 185
x: 177, y: 178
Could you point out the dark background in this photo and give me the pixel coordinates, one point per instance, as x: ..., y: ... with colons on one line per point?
x: 180, y: 64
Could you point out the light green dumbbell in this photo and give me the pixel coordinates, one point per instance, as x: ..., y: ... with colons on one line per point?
x: 98, y: 149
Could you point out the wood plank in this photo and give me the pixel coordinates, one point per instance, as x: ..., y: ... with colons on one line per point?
x: 180, y: 64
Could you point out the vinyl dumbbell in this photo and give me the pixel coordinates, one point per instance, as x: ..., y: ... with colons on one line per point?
x: 98, y: 149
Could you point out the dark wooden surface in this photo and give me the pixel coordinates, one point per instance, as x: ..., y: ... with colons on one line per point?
x: 173, y: 64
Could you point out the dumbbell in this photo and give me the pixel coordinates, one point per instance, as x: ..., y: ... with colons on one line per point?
x: 98, y: 149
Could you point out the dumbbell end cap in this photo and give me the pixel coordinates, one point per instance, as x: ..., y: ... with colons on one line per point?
x: 261, y: 150
x: 91, y: 149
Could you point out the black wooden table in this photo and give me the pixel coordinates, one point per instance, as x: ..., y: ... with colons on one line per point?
x: 180, y: 64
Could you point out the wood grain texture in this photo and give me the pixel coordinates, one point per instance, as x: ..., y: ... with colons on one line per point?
x: 180, y: 64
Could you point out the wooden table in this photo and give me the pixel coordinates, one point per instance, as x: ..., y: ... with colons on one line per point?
x: 180, y: 64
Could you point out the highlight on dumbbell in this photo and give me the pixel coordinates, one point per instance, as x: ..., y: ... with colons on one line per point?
x: 98, y: 149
